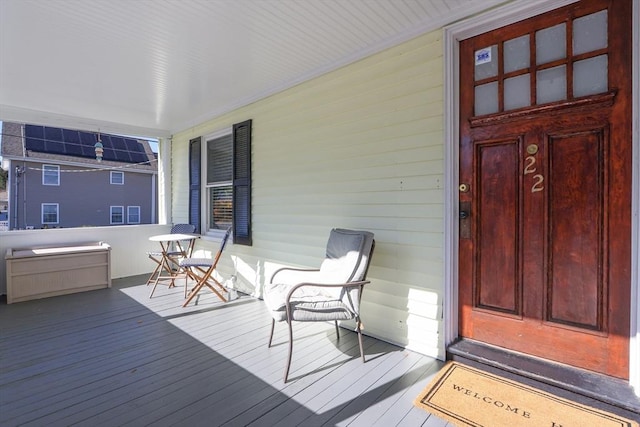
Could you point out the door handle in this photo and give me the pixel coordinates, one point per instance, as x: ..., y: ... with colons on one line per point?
x: 464, y: 214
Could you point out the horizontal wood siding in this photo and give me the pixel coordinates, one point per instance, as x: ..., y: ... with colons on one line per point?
x: 361, y: 147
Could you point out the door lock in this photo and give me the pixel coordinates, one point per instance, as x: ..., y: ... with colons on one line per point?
x: 464, y: 188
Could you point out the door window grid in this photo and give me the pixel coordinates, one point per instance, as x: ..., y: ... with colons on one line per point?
x: 557, y: 63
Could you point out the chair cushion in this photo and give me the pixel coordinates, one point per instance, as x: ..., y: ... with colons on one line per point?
x: 309, y: 303
x: 196, y: 262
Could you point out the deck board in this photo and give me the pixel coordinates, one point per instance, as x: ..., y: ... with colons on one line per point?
x: 116, y: 357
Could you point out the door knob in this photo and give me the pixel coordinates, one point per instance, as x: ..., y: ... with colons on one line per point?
x: 464, y: 214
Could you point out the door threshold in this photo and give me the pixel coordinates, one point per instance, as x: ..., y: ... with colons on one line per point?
x: 601, y: 391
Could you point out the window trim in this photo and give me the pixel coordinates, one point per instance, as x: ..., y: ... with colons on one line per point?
x: 241, y: 182
x: 116, y: 173
x: 57, y: 206
x: 111, y: 208
x: 50, y: 168
x: 129, y: 208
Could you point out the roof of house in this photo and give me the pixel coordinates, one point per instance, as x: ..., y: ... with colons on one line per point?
x: 45, y: 143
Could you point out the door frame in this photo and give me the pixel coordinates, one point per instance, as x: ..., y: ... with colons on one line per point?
x: 496, y: 18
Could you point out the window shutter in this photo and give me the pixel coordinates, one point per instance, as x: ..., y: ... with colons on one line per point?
x: 194, y: 182
x: 242, y: 183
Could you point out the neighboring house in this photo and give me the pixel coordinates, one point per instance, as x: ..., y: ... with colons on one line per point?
x: 55, y: 180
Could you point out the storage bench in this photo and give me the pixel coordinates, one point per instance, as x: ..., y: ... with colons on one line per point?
x: 57, y: 270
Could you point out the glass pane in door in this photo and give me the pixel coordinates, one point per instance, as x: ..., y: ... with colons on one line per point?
x: 590, y: 33
x: 590, y: 76
x: 551, y: 44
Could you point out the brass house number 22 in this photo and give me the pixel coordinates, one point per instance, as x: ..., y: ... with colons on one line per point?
x: 530, y: 168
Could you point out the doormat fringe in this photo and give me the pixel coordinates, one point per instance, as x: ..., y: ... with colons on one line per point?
x: 466, y: 396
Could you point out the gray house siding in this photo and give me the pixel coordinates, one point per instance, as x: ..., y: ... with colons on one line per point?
x: 84, y: 197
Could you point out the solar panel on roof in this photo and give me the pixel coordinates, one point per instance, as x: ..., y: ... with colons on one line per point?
x: 53, y: 134
x: 106, y: 141
x: 54, y: 147
x: 35, y: 144
x: 34, y: 131
x: 73, y: 149
x: 109, y: 155
x: 88, y: 151
x: 71, y: 136
x: 118, y: 143
x: 133, y: 145
x: 138, y: 157
x: 87, y: 138
x: 81, y: 144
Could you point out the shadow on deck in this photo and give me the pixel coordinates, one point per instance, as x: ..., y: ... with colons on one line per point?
x: 115, y: 357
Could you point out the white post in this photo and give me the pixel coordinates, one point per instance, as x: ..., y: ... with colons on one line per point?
x: 164, y: 181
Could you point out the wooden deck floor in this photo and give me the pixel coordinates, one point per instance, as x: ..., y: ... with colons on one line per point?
x: 114, y: 357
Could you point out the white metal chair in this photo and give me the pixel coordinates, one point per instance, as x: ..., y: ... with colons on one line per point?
x: 330, y: 293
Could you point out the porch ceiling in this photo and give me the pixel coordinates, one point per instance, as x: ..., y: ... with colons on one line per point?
x: 153, y: 67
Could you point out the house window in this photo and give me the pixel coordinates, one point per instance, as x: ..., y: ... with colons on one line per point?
x: 219, y: 182
x: 117, y: 177
x: 133, y: 214
x: 50, y: 175
x: 50, y: 213
x: 226, y: 184
x: 117, y: 214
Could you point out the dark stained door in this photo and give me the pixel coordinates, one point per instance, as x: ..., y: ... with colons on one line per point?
x: 545, y: 196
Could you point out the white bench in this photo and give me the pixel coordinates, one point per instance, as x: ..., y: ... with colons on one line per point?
x: 57, y: 270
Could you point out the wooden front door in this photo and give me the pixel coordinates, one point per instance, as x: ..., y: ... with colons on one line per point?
x: 545, y: 194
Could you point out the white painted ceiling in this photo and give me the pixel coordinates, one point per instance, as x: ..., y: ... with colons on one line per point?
x: 154, y: 67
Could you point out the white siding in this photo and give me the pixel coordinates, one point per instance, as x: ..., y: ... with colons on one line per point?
x: 361, y: 147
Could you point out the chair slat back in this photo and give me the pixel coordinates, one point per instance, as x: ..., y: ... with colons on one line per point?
x: 183, y: 229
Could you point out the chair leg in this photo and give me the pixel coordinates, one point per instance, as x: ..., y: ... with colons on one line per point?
x: 337, y: 329
x: 153, y: 275
x: 359, y: 330
x: 273, y: 325
x: 286, y: 369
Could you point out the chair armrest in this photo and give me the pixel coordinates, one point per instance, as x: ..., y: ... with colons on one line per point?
x: 294, y: 270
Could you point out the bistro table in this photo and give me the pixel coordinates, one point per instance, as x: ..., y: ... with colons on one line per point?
x: 173, y: 247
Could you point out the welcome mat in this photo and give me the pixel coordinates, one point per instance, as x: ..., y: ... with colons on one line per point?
x: 466, y: 396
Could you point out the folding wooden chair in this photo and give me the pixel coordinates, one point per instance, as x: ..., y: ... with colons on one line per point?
x: 201, y: 270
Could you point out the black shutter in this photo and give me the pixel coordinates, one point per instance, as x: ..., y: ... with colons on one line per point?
x: 194, y: 182
x: 242, y: 183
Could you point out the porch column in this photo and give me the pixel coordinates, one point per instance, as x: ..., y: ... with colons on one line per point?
x: 164, y: 181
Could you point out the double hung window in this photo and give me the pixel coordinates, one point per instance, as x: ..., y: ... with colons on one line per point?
x: 133, y: 214
x: 50, y: 213
x: 50, y: 175
x: 225, y: 159
x: 117, y: 177
x: 117, y: 214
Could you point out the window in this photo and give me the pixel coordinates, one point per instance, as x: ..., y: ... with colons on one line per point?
x: 117, y: 214
x: 50, y: 175
x: 50, y: 213
x: 226, y: 183
x: 133, y: 214
x: 117, y: 177
x: 219, y: 182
